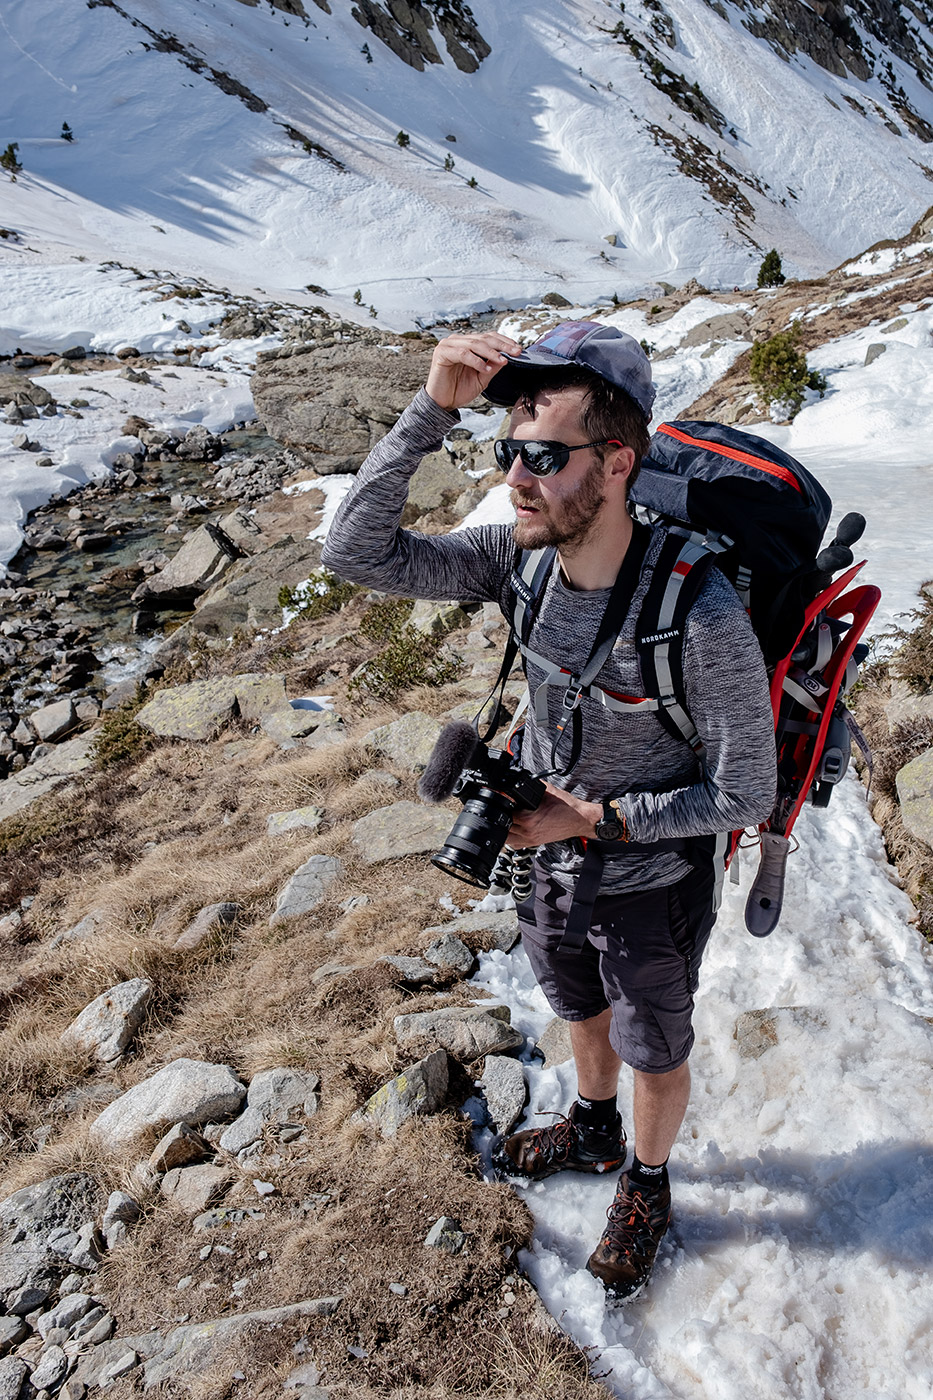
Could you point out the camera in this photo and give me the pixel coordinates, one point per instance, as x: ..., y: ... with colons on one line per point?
x: 491, y: 787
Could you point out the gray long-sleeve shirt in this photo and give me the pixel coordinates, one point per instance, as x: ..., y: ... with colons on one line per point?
x: 633, y: 757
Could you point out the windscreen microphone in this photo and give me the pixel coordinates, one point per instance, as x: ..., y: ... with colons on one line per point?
x: 455, y: 747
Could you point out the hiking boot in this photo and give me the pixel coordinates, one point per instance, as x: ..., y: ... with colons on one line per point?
x: 638, y: 1222
x: 564, y: 1146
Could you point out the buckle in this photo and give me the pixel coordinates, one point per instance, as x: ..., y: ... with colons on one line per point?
x: 572, y: 699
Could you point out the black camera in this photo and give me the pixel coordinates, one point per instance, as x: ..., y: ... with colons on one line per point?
x: 490, y: 786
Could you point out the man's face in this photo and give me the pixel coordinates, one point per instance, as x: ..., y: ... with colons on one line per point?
x: 561, y: 509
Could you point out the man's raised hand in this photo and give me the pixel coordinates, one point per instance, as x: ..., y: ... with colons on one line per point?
x: 462, y: 366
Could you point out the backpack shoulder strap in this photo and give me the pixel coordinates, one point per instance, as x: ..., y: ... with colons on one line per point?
x: 679, y: 572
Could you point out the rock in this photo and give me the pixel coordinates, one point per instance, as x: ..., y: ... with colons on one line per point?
x: 105, y: 1362
x: 404, y: 829
x: 52, y: 721
x: 17, y: 389
x: 193, y: 1189
x: 13, y: 1330
x: 757, y: 1031
x: 28, y: 1222
x: 44, y: 775
x: 243, y: 531
x: 200, y: 562
x: 27, y: 1300
x: 332, y: 405
x: 52, y: 1368
x: 555, y: 299
x: 276, y: 1097
x: 874, y: 352
x: 731, y: 325
x: 83, y: 929
x: 437, y: 482
x: 445, y: 1234
x: 108, y: 1024
x: 503, y: 1082
x: 437, y: 619
x: 199, y: 710
x: 223, y: 1216
x: 407, y: 741
x: 914, y: 784
x: 122, y: 1211
x: 307, y: 888
x: 290, y: 723
x: 554, y: 1044
x: 191, y: 1350
x: 89, y: 1250
x: 415, y: 971
x: 210, y: 921
x: 422, y: 1088
x: 180, y: 1146
x: 72, y: 1390
x: 450, y: 953
x: 13, y: 1372
x: 466, y: 1032
x: 299, y: 818
x: 905, y: 706
x: 94, y: 543
x: 185, y: 1091
x: 66, y: 1314
x: 496, y: 930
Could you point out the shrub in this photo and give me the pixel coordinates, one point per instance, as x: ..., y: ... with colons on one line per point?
x: 403, y: 140
x: 472, y: 182
x: 67, y: 133
x: 118, y: 738
x: 9, y: 162
x: 448, y: 162
x: 779, y: 371
x: 319, y: 595
x: 770, y: 274
x: 410, y: 658
x: 383, y: 619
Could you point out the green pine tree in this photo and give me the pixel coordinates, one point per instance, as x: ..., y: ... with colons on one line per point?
x: 770, y: 274
x: 67, y: 133
x: 472, y: 182
x: 358, y: 297
x: 403, y: 139
x: 9, y: 162
x: 780, y: 373
x: 448, y: 162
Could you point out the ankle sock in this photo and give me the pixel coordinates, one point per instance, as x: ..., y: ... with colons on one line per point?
x: 647, y: 1178
x: 596, y: 1115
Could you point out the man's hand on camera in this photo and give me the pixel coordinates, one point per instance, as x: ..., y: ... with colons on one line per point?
x: 462, y: 366
x: 560, y: 816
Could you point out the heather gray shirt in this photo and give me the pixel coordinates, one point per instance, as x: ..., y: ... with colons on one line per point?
x: 662, y: 790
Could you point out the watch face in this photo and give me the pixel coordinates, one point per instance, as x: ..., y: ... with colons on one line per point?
x: 608, y: 830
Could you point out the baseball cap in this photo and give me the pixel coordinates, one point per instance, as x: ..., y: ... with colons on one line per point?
x: 605, y: 350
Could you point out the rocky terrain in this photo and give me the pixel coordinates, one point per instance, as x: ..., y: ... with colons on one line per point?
x: 242, y: 1060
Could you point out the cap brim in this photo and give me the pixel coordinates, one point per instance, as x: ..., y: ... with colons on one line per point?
x: 506, y: 388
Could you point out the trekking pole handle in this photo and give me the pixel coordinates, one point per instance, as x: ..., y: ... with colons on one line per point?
x: 766, y: 895
x: 850, y: 528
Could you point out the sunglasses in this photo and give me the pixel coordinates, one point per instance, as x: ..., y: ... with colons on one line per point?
x: 542, y: 458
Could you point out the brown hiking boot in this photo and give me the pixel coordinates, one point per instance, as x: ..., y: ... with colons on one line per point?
x: 638, y: 1222
x: 564, y: 1146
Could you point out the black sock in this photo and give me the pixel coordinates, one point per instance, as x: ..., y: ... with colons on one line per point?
x: 596, y: 1115
x: 647, y: 1178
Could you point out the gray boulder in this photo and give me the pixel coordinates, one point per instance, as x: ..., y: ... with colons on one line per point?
x: 276, y: 1098
x: 52, y: 721
x: 208, y: 923
x: 108, y: 1024
x: 30, y: 1218
x: 332, y: 405
x: 16, y: 388
x: 422, y: 1088
x: 180, y: 1146
x: 485, y: 928
x: 404, y: 829
x: 185, y: 1091
x: 445, y: 1234
x: 307, y: 888
x: 200, y: 709
x: 554, y: 1043
x: 200, y: 562
x: 191, y: 1350
x: 45, y: 774
x: 298, y: 819
x: 51, y: 1369
x: 450, y: 954
x: 13, y: 1372
x: 915, y: 793
x: 466, y: 1032
x: 503, y: 1083
x: 407, y: 741
x: 122, y: 1212
x: 193, y: 1189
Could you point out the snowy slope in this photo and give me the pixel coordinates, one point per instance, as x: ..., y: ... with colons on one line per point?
x: 566, y: 136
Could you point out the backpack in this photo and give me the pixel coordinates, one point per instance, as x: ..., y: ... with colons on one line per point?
x: 734, y: 500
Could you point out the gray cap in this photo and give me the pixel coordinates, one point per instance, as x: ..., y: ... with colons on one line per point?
x: 605, y: 350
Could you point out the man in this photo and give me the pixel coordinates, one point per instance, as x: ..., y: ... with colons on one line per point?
x: 581, y: 400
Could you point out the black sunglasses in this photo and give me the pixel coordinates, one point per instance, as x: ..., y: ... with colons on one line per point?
x: 542, y: 458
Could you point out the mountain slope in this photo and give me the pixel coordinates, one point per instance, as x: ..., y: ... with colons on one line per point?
x: 256, y: 143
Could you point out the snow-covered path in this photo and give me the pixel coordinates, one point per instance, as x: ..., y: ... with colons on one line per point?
x: 798, y: 1264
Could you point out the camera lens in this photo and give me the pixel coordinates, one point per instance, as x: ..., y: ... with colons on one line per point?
x: 477, y: 837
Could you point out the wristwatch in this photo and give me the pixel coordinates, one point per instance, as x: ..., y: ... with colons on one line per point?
x: 611, y: 825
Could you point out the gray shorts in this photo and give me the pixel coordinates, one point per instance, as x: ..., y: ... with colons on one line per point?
x: 641, y: 958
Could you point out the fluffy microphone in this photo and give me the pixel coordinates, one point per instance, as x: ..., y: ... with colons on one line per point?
x: 456, y: 745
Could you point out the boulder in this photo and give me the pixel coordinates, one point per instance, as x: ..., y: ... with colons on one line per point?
x: 481, y: 929
x: 332, y: 405
x: 16, y: 388
x: 307, y: 888
x: 52, y: 721
x: 45, y: 774
x: 276, y: 1098
x: 731, y: 325
x: 407, y: 741
x: 185, y: 1091
x: 66, y: 1314
x: 466, y: 1032
x: 108, y: 1024
x: 13, y: 1372
x: 404, y: 829
x: 51, y: 1369
x: 915, y: 792
x: 199, y: 710
x: 422, y: 1088
x: 193, y: 1189
x: 451, y: 954
x: 437, y: 482
x: 212, y: 920
x: 29, y: 1220
x: 180, y: 1146
x: 298, y: 819
x: 445, y: 1234
x: 554, y: 1045
x: 190, y: 1350
x: 503, y: 1084
x: 122, y: 1212
x: 201, y: 561
x: 415, y: 971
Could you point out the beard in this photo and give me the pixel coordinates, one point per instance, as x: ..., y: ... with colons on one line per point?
x: 566, y: 523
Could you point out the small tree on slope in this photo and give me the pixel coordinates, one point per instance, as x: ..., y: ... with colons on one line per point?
x: 770, y: 274
x: 9, y: 162
x: 780, y: 374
